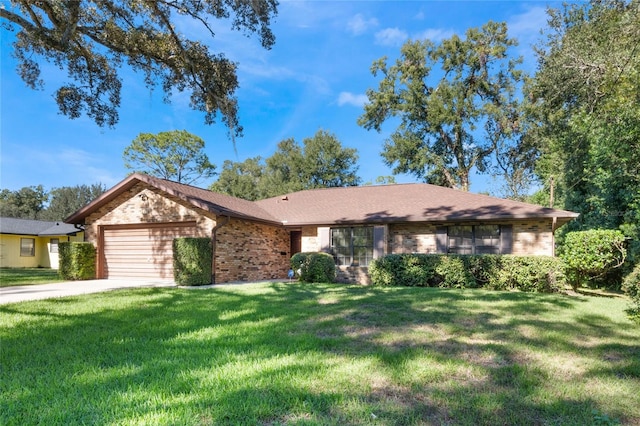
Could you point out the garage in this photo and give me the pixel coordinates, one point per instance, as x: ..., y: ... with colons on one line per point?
x: 143, y: 251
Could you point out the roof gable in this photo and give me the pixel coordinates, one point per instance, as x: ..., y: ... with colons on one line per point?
x: 213, y: 202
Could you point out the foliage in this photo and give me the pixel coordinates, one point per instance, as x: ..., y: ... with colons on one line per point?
x: 594, y: 257
x: 437, y: 139
x: 192, y: 261
x: 321, y: 162
x: 314, y: 267
x: 631, y: 286
x: 31, y: 202
x: 586, y: 117
x: 318, y: 354
x: 92, y: 40
x: 77, y: 260
x: 241, y: 179
x: 66, y: 200
x: 497, y: 272
x: 25, y: 203
x: 175, y: 155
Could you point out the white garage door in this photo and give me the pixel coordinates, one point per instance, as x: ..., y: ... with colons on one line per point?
x: 142, y: 251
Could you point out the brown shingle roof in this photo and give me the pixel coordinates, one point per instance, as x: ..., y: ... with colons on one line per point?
x: 213, y: 202
x: 398, y: 203
x: 365, y: 204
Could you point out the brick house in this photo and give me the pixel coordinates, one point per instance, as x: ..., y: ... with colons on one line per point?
x: 133, y: 225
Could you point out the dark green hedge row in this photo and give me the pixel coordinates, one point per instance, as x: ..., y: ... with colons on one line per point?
x: 498, y: 272
x: 314, y: 267
x: 192, y: 261
x: 77, y: 261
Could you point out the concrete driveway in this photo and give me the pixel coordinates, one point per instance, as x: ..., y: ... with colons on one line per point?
x: 73, y: 288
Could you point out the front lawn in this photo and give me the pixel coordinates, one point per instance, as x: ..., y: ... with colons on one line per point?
x: 274, y: 354
x: 28, y: 276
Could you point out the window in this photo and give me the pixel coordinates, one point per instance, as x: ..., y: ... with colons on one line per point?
x: 27, y: 247
x: 479, y: 239
x: 352, y: 246
x: 53, y: 245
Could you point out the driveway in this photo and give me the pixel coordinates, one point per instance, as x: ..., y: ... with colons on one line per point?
x: 72, y: 288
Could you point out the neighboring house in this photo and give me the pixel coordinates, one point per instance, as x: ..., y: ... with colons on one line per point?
x: 133, y: 225
x: 33, y: 243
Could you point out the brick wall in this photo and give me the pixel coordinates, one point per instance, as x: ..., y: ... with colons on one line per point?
x: 530, y: 237
x: 533, y: 237
x: 250, y: 251
x: 145, y: 204
x: 412, y: 238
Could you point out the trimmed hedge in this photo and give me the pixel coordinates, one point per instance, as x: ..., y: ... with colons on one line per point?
x: 498, y: 272
x: 192, y: 261
x: 594, y: 257
x: 77, y: 260
x: 314, y: 267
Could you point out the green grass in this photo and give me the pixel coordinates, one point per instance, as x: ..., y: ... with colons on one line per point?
x: 274, y: 354
x: 28, y: 276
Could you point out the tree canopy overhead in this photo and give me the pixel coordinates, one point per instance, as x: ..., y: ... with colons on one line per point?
x: 442, y: 94
x: 92, y: 39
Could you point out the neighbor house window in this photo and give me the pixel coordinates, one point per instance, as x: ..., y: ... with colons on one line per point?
x: 352, y: 246
x: 27, y: 247
x: 53, y: 245
x: 478, y: 239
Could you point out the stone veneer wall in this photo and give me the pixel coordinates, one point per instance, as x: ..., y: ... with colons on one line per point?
x: 310, y: 239
x: 250, y: 251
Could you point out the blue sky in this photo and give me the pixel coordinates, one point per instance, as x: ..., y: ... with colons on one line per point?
x: 315, y: 77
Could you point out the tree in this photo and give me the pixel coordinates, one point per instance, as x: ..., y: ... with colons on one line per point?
x: 92, y: 39
x: 587, y: 116
x: 68, y: 199
x: 175, y: 155
x: 25, y: 203
x: 437, y: 139
x: 240, y: 180
x: 321, y: 162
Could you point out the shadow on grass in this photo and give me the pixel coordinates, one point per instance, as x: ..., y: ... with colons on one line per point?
x: 315, y: 354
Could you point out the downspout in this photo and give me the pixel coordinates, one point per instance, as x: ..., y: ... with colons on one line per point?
x: 214, y: 233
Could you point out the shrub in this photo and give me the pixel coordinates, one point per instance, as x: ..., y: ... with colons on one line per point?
x: 192, y: 261
x: 541, y: 274
x: 594, y: 257
x: 314, y: 267
x: 77, y: 260
x: 526, y: 273
x: 631, y: 286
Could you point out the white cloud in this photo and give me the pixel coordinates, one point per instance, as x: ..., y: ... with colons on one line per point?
x: 527, y: 25
x: 434, y: 34
x: 391, y: 37
x: 348, y: 98
x: 359, y: 25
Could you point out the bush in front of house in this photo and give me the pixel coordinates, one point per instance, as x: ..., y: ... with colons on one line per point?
x: 631, y: 286
x: 192, y: 261
x: 594, y: 258
x: 77, y: 260
x: 314, y: 267
x: 498, y: 272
